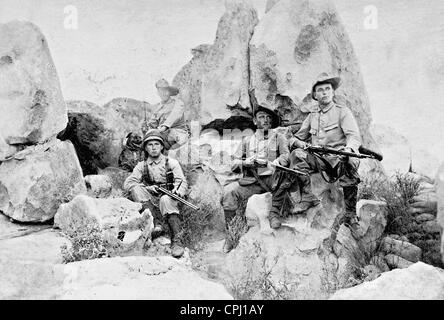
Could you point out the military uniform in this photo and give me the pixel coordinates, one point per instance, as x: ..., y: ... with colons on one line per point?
x: 153, y: 172
x: 160, y: 170
x: 333, y: 126
x: 170, y: 114
x: 271, y: 148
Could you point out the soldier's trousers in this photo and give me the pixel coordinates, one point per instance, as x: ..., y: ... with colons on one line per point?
x: 236, y: 196
x: 165, y: 204
x: 347, y: 171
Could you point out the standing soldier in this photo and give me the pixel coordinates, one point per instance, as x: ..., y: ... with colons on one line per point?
x: 158, y: 169
x: 263, y: 147
x: 331, y: 125
x: 168, y: 116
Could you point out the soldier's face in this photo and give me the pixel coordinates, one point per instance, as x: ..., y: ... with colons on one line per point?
x: 263, y: 120
x: 324, y: 93
x: 163, y: 93
x: 154, y: 148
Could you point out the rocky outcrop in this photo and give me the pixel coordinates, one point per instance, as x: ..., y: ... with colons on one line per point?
x: 38, y: 179
x: 97, y: 132
x: 297, y: 40
x: 299, y: 251
x: 26, y: 265
x: 420, y: 281
x: 33, y: 109
x: 218, y: 75
x: 403, y: 249
x: 123, y: 229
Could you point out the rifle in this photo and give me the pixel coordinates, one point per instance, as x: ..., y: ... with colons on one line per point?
x: 262, y: 164
x: 176, y: 197
x: 362, y: 152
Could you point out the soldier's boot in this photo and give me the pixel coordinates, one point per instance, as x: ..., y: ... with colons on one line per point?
x: 273, y: 217
x: 308, y: 199
x: 228, y: 244
x: 175, y: 227
x: 351, y: 220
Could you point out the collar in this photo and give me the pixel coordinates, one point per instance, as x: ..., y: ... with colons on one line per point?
x: 156, y: 161
x: 327, y: 108
x: 259, y: 134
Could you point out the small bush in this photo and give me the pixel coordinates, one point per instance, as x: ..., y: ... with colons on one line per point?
x: 257, y: 280
x: 194, y: 224
x: 86, y: 245
x: 398, y: 193
x: 237, y: 227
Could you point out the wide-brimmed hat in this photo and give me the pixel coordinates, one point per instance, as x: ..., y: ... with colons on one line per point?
x: 152, y: 134
x: 162, y: 83
x: 265, y: 107
x: 324, y: 78
x: 275, y: 119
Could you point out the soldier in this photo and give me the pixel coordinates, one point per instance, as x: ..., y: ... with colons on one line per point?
x: 168, y: 117
x: 264, y: 146
x: 332, y: 125
x: 158, y: 169
x: 132, y: 152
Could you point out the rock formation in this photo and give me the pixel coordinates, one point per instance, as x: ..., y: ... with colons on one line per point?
x: 420, y: 281
x: 218, y: 75
x: 32, y: 105
x: 297, y: 40
x: 38, y: 179
x: 122, y: 227
x: 97, y: 132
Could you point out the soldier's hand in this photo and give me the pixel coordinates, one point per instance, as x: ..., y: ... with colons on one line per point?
x: 152, y: 190
x: 299, y: 144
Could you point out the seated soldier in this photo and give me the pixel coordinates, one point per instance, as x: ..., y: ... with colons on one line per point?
x: 262, y: 147
x: 331, y: 125
x: 158, y: 169
x: 132, y: 152
x: 168, y: 116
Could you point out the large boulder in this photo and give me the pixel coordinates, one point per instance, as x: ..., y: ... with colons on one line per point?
x: 38, y: 179
x: 114, y: 119
x: 417, y: 282
x: 218, y: 75
x: 122, y: 228
x: 26, y: 265
x: 31, y: 102
x: 311, y: 40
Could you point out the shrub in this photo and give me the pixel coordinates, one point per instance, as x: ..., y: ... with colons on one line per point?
x: 85, y: 245
x: 398, y: 193
x: 257, y: 280
x: 194, y: 224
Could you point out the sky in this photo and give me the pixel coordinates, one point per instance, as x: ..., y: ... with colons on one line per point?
x: 120, y: 48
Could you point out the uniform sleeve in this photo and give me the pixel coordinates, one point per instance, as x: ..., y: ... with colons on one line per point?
x: 175, y: 114
x: 304, y: 132
x: 135, y: 178
x: 179, y: 177
x: 284, y: 151
x: 351, y: 130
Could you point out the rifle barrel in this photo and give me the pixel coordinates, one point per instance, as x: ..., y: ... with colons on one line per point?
x: 176, y: 197
x: 343, y: 153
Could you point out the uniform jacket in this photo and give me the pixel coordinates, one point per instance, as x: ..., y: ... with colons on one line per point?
x: 170, y: 114
x: 157, y: 170
x: 335, y: 127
